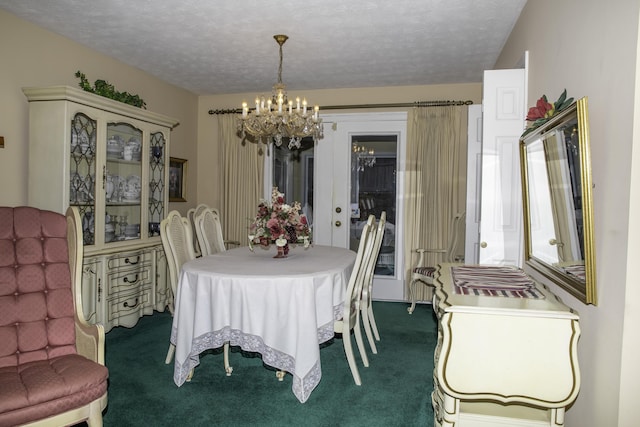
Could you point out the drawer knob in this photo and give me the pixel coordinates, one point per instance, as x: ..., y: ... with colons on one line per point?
x: 127, y: 261
x: 126, y: 280
x: 135, y: 304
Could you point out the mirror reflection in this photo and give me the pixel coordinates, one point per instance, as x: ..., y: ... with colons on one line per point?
x: 557, y: 196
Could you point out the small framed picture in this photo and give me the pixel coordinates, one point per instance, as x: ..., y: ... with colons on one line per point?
x: 177, y: 183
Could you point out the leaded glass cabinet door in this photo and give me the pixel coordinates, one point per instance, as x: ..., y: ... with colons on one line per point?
x: 157, y: 171
x: 123, y: 182
x: 82, y: 172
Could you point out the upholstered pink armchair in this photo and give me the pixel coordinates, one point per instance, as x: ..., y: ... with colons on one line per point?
x: 51, y: 361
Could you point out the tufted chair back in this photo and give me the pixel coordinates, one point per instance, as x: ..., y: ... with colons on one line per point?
x: 36, y: 301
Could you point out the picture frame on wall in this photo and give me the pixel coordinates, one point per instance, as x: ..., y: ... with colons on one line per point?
x: 177, y: 181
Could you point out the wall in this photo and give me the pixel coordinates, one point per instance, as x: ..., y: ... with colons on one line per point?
x: 208, y: 127
x: 33, y: 56
x: 590, y: 48
x: 37, y: 57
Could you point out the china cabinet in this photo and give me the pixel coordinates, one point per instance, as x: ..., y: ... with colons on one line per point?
x: 110, y: 160
x: 506, y: 353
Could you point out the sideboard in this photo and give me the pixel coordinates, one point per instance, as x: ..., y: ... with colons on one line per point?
x: 507, y: 349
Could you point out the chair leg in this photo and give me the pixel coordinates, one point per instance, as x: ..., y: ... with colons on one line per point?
x: 227, y: 368
x: 348, y: 351
x: 172, y: 349
x: 360, y: 342
x: 367, y: 329
x: 412, y: 295
x: 372, y: 320
x: 95, y: 415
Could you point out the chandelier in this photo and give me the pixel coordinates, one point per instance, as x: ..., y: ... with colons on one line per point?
x: 362, y: 157
x: 279, y: 118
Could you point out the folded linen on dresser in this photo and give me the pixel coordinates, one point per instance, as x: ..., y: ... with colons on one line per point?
x: 485, y: 280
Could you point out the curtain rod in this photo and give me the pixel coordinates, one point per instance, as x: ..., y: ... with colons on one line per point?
x: 359, y: 106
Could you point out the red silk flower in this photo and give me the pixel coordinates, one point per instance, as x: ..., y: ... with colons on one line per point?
x: 541, y: 110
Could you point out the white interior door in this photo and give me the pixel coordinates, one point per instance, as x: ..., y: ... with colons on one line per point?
x: 504, y: 106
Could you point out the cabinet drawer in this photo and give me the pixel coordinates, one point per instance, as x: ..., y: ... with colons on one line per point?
x: 128, y: 280
x: 129, y: 259
x: 125, y: 310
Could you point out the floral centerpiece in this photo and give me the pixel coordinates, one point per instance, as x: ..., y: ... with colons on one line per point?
x: 544, y: 110
x: 279, y: 223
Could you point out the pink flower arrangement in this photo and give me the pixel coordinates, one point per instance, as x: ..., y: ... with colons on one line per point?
x: 279, y: 221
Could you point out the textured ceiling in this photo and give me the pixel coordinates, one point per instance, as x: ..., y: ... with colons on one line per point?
x: 215, y: 47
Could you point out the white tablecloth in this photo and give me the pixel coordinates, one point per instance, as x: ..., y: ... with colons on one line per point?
x: 281, y: 308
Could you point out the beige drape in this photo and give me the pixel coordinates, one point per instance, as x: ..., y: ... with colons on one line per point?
x: 435, y: 181
x: 243, y: 176
x: 561, y: 201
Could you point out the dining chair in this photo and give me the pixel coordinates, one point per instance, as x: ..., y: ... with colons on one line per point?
x: 209, y: 232
x: 366, y: 307
x: 177, y: 241
x: 425, y: 274
x: 350, y: 320
x: 191, y: 217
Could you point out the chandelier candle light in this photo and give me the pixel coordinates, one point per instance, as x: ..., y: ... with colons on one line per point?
x: 277, y: 118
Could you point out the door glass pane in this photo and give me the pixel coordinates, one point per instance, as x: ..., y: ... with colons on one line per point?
x: 82, y: 182
x: 123, y: 183
x: 293, y: 174
x: 373, y: 191
x: 156, y: 182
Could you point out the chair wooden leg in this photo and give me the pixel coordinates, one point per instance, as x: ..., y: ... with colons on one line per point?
x: 372, y: 320
x: 227, y: 368
x: 412, y: 295
x: 357, y: 332
x: 348, y: 351
x: 95, y: 415
x: 172, y: 349
x: 367, y: 329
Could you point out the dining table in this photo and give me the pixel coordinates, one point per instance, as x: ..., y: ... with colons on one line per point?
x: 282, y: 308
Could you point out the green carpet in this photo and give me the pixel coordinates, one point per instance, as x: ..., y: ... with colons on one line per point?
x: 395, y: 391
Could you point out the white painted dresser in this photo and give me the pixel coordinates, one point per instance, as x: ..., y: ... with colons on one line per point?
x: 506, y: 352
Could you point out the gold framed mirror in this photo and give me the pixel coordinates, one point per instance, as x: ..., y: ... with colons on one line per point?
x: 558, y: 213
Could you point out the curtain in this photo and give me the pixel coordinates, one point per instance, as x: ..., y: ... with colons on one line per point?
x: 242, y: 175
x: 435, y: 182
x: 562, y: 199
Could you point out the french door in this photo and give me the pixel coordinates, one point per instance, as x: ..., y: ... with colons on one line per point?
x: 353, y: 172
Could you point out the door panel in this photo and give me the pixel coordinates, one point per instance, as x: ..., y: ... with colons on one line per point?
x: 501, y: 201
x: 474, y: 170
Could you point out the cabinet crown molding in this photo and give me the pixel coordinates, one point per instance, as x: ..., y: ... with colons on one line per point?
x: 68, y: 93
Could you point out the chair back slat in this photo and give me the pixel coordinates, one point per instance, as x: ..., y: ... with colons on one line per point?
x: 177, y: 241
x: 358, y: 274
x: 209, y: 232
